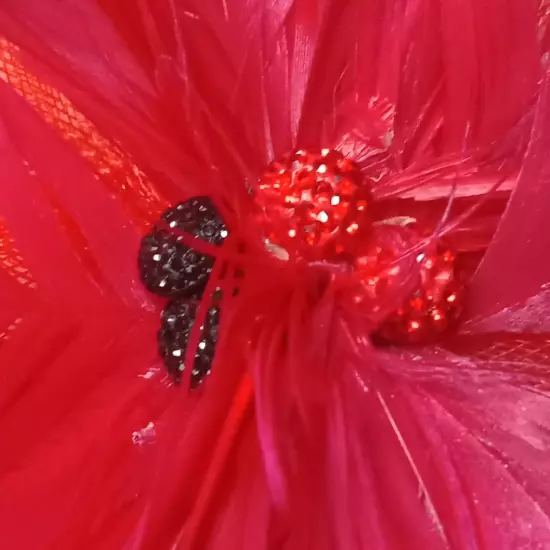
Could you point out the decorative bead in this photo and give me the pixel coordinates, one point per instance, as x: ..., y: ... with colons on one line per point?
x: 384, y: 268
x: 167, y: 266
x: 421, y: 287
x: 315, y: 207
x: 176, y: 325
x: 309, y: 200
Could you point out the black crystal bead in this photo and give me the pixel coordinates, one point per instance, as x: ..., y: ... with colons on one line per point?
x: 167, y: 266
x: 177, y: 323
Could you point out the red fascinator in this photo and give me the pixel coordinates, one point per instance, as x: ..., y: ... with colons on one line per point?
x: 274, y: 275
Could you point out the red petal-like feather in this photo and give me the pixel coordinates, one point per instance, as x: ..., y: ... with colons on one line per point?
x: 306, y: 436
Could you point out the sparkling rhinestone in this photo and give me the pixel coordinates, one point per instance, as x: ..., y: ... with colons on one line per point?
x: 167, y: 266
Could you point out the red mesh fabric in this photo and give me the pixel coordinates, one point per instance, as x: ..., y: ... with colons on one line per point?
x: 12, y: 264
x: 11, y: 261
x: 519, y: 351
x: 112, y: 166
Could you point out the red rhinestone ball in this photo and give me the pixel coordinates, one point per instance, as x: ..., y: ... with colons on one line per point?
x: 425, y: 280
x: 313, y: 203
x: 316, y: 205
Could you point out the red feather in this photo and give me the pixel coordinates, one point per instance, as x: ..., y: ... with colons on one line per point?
x: 306, y: 435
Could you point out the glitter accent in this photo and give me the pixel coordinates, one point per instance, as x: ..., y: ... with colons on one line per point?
x: 177, y: 323
x: 167, y: 266
x: 310, y: 200
x: 434, y: 294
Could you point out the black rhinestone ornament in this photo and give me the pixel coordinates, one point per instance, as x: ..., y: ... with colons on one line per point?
x: 170, y: 268
x: 177, y: 323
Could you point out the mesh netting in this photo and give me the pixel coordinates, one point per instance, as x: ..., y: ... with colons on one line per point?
x: 111, y: 165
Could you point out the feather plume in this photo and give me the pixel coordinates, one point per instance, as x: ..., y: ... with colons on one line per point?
x: 306, y: 436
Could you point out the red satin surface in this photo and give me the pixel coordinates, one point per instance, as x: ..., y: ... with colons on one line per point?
x: 306, y: 436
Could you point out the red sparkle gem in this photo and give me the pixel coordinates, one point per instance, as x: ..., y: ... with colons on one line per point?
x: 418, y: 291
x: 384, y: 268
x: 315, y: 204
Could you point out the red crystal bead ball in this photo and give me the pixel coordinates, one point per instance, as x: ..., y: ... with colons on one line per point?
x: 316, y: 205
x: 308, y: 200
x: 433, y: 297
x: 384, y: 268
